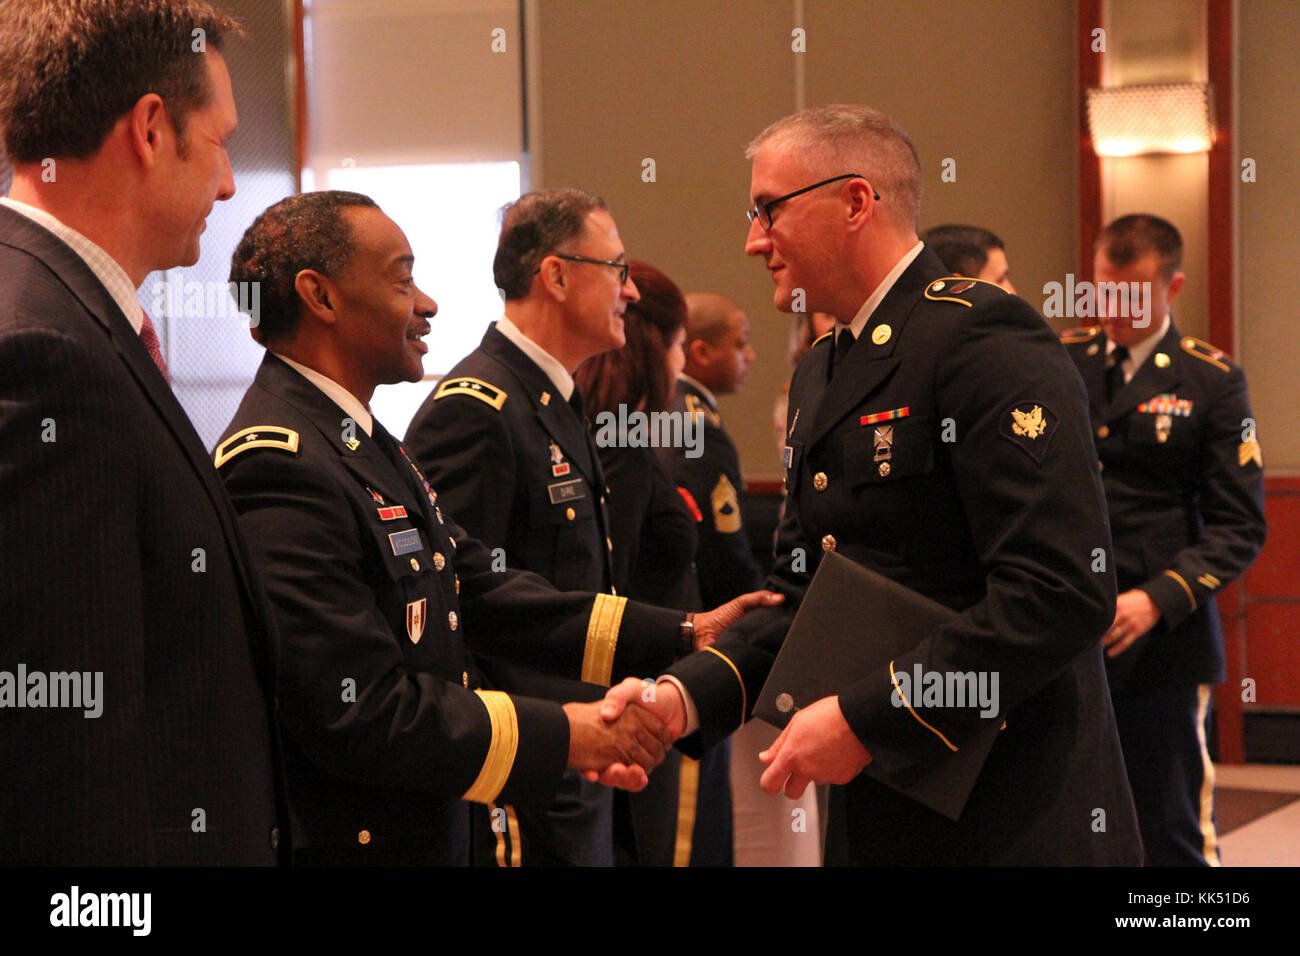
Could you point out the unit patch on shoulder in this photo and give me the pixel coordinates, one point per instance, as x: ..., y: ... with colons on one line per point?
x: 1205, y: 352
x: 259, y: 436
x: 1071, y: 336
x: 463, y: 385
x: 1029, y: 426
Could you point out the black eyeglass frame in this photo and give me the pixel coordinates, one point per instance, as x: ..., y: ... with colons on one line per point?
x: 624, y: 268
x: 763, y: 211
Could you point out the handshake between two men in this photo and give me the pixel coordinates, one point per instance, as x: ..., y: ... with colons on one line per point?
x: 618, y: 745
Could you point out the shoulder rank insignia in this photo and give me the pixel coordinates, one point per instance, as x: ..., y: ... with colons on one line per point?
x: 953, y: 288
x: 476, y: 387
x: 1205, y: 352
x: 726, y: 506
x: 1029, y: 426
x: 1071, y: 336
x: 1248, y: 452
x: 259, y: 436
x: 700, y: 411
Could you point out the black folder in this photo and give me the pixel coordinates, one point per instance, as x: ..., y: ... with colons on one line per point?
x: 852, y: 622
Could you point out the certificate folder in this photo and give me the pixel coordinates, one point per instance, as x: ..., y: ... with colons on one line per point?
x: 853, y: 622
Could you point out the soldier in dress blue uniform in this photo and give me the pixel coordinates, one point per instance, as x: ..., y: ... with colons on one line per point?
x: 940, y: 438
x: 1183, y: 473
x: 504, y: 439
x: 380, y: 596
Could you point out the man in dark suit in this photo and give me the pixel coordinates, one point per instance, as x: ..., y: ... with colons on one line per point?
x: 940, y: 438
x: 121, y: 553
x: 379, y: 594
x: 1183, y: 474
x: 504, y: 439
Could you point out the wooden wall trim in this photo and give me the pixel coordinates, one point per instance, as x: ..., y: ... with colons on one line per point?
x: 1222, y: 175
x: 300, y: 141
x: 1089, y: 73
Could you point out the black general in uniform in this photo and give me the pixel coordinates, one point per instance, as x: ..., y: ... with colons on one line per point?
x: 942, y: 441
x: 1183, y: 474
x: 380, y: 596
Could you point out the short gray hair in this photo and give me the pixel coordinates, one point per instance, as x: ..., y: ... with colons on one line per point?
x: 855, y: 139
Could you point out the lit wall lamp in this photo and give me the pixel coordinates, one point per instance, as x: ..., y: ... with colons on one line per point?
x: 1152, y: 118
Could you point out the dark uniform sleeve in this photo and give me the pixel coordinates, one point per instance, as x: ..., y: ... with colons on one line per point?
x: 347, y: 697
x: 1230, y: 489
x: 517, y: 615
x: 1026, y: 474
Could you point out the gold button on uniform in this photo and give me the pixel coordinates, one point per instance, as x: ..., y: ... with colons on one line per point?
x: 570, y: 513
x: 363, y: 837
x: 884, y: 469
x: 1162, y: 360
x: 819, y: 481
x: 1103, y: 431
x: 456, y: 578
x: 439, y: 561
x: 452, y: 620
x: 828, y: 542
x: 415, y: 565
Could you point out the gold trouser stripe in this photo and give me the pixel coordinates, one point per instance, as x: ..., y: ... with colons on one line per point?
x: 602, y: 639
x: 1208, y: 833
x: 903, y: 698
x: 744, y: 698
x: 1179, y: 578
x: 687, y: 795
x: 499, y: 834
x: 500, y: 757
x: 516, y: 844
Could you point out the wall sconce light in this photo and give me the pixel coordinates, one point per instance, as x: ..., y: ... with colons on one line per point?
x: 1151, y: 118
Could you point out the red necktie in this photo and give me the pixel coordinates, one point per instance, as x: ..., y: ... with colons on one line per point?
x: 149, y: 336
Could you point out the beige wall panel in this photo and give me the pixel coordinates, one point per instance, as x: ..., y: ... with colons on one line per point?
x: 686, y: 84
x: 990, y: 86
x: 1268, y: 320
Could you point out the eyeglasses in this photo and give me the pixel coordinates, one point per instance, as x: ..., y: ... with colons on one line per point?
x: 763, y: 211
x: 622, y: 267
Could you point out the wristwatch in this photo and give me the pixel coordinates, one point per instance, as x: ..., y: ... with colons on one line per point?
x: 686, y: 634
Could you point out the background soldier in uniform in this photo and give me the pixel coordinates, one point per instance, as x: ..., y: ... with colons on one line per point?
x: 1183, y: 474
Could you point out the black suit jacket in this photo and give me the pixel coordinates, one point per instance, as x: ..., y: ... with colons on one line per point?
x: 121, y: 556
x: 1184, y: 482
x: 951, y: 452
x: 380, y: 598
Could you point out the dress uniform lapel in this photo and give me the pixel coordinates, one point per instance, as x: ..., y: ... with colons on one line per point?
x: 366, y: 460
x: 871, y: 360
x: 1092, y: 368
x: 554, y: 414
x: 1151, y: 379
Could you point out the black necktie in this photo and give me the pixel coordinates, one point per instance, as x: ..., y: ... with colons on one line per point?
x: 843, y: 342
x: 1115, y: 373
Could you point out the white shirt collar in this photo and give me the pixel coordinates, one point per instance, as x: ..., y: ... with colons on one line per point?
x: 702, y: 388
x: 864, y: 314
x: 547, y: 362
x: 1138, y: 354
x: 110, y: 275
x: 339, y: 395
